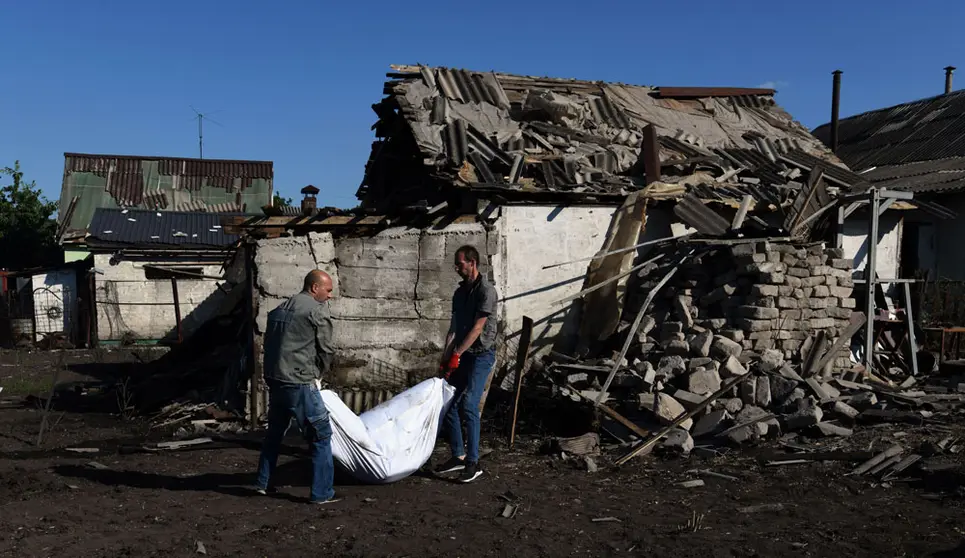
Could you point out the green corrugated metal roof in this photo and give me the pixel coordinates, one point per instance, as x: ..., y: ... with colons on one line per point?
x: 162, y: 183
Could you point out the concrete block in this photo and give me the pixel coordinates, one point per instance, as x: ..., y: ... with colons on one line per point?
x: 807, y: 416
x: 749, y: 325
x: 700, y: 345
x: 373, y: 308
x: 680, y: 348
x: 387, y: 250
x: 377, y: 282
x: 787, y: 303
x: 722, y: 348
x: 758, y: 313
x: 814, y: 281
x: 771, y: 360
x: 757, y: 335
x: 793, y: 281
x: 703, y: 382
x: 844, y: 411
x: 665, y: 407
x: 732, y: 367
x: 714, y: 324
x: 765, y: 290
x: 764, y: 344
x: 735, y: 335
x: 282, y: 264
x: 820, y: 291
x: 847, y: 303
x: 863, y: 400
x: 402, y: 334
x: 719, y: 294
x: 845, y: 281
x: 799, y: 272
x: 678, y: 441
x: 688, y: 399
x: 668, y: 328
x: 828, y: 429
x: 780, y: 387
x: 733, y: 405
x: 815, y: 260
x: 322, y: 247
x: 774, y: 278
x: 842, y: 263
x: 821, y: 323
x: 763, y: 392
x: 766, y: 267
x: 840, y: 292
x: 822, y: 270
x: 817, y: 303
x: 675, y: 364
x: 748, y: 392
x: 701, y: 362
x: 711, y: 423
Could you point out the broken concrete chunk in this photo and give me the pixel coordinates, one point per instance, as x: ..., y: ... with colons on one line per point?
x: 758, y: 312
x: 765, y: 290
x: 781, y: 388
x: 646, y: 325
x: 771, y: 360
x: 700, y: 344
x: 864, y: 400
x: 677, y: 348
x: 732, y: 367
x: 666, y: 408
x: 763, y: 395
x: 679, y: 441
x: 748, y: 392
x: 735, y: 335
x: 714, y: 324
x: 683, y: 311
x: 828, y: 429
x: 703, y: 382
x: 711, y: 423
x: 722, y: 348
x: 675, y: 363
x: 702, y: 362
x: 688, y: 399
x: 670, y: 328
x: 844, y: 411
x: 733, y: 405
x: 807, y: 416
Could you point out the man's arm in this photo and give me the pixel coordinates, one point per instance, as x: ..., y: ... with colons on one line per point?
x: 324, y: 343
x: 474, y: 333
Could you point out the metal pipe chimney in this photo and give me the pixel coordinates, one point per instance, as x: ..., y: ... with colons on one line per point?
x: 948, y: 78
x: 835, y: 102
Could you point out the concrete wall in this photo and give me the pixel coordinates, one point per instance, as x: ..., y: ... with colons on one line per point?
x: 130, y: 305
x: 532, y: 237
x: 392, y: 299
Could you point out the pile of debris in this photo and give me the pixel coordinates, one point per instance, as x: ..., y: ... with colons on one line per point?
x: 735, y: 341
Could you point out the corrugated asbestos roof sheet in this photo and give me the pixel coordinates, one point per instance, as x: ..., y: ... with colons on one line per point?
x: 440, y: 127
x: 159, y: 228
x: 161, y: 183
x: 924, y: 130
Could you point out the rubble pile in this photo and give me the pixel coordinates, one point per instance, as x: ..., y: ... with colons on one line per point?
x: 771, y: 310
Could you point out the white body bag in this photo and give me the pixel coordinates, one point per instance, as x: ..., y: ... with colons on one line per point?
x: 392, y: 440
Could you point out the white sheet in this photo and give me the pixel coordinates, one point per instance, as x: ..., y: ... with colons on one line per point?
x: 393, y: 440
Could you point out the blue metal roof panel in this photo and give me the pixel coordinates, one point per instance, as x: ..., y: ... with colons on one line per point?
x: 168, y: 228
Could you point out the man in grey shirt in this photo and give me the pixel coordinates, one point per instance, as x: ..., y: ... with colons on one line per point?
x: 472, y: 339
x: 298, y: 351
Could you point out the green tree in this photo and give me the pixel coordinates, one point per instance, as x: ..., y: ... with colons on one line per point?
x: 27, y: 228
x: 281, y: 202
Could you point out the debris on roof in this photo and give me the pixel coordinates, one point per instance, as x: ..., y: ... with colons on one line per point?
x: 134, y: 227
x: 521, y: 137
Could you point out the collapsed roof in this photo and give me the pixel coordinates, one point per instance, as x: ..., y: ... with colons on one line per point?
x: 520, y: 137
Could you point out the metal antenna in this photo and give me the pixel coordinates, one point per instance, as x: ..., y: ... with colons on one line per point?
x: 201, y: 117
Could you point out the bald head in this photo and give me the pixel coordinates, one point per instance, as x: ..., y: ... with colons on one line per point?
x: 319, y: 285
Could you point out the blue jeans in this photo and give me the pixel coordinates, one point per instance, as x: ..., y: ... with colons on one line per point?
x: 469, y: 381
x: 304, y: 404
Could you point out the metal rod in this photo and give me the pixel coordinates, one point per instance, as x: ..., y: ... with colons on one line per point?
x: 177, y: 307
x: 835, y: 104
x: 524, y: 343
x: 911, y: 331
x: 585, y: 292
x: 636, y: 324
x: 870, y: 277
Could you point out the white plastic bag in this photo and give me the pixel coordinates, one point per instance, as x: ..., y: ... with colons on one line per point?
x: 393, y: 440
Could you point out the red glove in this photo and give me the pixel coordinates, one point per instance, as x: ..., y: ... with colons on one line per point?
x: 449, y: 367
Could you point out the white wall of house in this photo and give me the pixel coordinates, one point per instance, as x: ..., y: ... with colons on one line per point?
x: 888, y: 255
x: 55, y: 302
x: 129, y: 305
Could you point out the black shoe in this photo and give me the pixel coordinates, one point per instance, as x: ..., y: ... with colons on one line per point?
x: 471, y: 472
x: 454, y: 464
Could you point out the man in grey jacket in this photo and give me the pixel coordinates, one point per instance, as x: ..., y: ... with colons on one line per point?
x: 298, y: 351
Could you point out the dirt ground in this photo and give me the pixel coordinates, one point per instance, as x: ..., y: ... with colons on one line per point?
x: 192, y: 502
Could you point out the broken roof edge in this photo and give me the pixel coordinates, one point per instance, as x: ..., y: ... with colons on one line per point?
x: 825, y: 128
x: 660, y: 91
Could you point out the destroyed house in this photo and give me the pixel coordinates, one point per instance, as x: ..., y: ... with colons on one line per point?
x: 916, y: 147
x: 157, y: 276
x: 539, y: 174
x: 93, y: 181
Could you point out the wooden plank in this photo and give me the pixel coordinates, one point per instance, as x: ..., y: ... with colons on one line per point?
x: 613, y: 414
x: 651, y: 155
x: 857, y: 320
x: 646, y: 446
x: 878, y: 459
x: 742, y: 212
x: 525, y: 340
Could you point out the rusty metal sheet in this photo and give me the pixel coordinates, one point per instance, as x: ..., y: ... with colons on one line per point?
x: 695, y: 214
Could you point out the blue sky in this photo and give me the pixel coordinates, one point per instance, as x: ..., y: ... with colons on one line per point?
x: 293, y: 81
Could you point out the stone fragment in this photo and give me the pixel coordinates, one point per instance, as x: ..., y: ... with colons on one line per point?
x: 671, y: 365
x: 763, y: 392
x: 678, y: 441
x: 757, y: 335
x: 793, y: 281
x: 817, y: 303
x: 733, y: 405
x: 842, y: 263
x: 700, y: 344
x: 784, y: 290
x: 771, y: 360
x: 766, y: 267
x: 688, y: 399
x: 815, y: 260
x: 758, y: 313
x: 701, y: 362
x: 781, y: 387
x: 666, y: 408
x: 714, y: 324
x: 864, y: 400
x: 764, y: 290
x: 807, y: 415
x: 820, y: 291
x: 646, y: 325
x: 669, y: 328
x: 821, y: 323
x: 683, y: 311
x: 668, y: 338
x: 791, y: 314
x: 755, y: 325
x: 840, y: 292
x: 719, y: 294
x: 845, y: 282
x: 839, y: 313
x: 847, y: 303
x: 732, y: 368
x: 814, y: 281
x: 774, y: 278
x: 679, y: 348
x: 722, y: 347
x: 748, y: 392
x: 711, y: 423
x: 744, y: 249
x: 798, y: 272
x: 844, y: 411
x: 822, y: 270
x: 703, y: 382
x: 828, y: 429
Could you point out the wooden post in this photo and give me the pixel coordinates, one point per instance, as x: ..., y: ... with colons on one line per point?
x: 651, y: 155
x: 177, y: 307
x: 254, y: 343
x: 525, y: 340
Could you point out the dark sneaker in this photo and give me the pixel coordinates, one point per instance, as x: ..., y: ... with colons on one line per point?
x: 471, y: 472
x: 454, y: 464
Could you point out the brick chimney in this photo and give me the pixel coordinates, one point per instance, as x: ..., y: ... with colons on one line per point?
x: 309, y: 202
